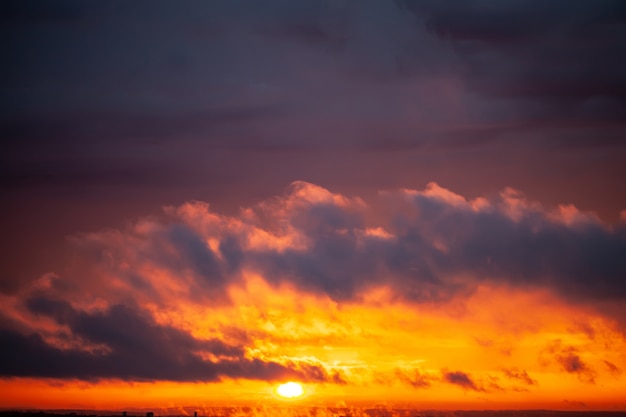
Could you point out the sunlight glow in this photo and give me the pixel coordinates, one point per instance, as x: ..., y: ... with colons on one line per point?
x: 290, y: 390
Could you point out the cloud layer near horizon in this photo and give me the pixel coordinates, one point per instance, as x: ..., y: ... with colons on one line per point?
x: 133, y: 304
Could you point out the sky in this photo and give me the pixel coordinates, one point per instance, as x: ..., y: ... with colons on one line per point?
x: 408, y: 202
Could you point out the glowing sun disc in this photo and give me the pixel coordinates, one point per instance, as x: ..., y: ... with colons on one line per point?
x: 290, y: 390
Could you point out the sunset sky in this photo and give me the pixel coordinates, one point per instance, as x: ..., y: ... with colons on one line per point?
x: 387, y: 202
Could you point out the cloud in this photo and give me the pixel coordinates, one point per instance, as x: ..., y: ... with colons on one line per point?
x: 414, y: 378
x: 15, y: 12
x: 123, y: 302
x: 129, y: 345
x: 504, y: 54
x: 575, y: 404
x: 245, y: 98
x: 461, y: 379
x: 520, y: 375
x: 441, y: 236
x: 488, y: 33
x: 613, y: 369
x: 570, y: 361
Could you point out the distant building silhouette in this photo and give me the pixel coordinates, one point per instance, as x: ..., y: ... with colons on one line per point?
x: 195, y: 414
x: 149, y: 414
x: 124, y: 413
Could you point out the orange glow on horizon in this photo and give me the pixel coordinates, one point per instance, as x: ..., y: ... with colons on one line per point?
x: 510, y: 344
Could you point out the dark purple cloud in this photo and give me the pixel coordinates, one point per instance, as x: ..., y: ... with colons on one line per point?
x: 461, y: 379
x: 520, y: 375
x: 508, y: 241
x: 341, y: 247
x: 112, y: 110
x: 612, y: 368
x: 562, y: 49
x: 129, y: 345
x: 119, y: 80
x: 570, y: 361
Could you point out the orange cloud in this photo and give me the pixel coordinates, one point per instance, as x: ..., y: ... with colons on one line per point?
x: 497, y: 298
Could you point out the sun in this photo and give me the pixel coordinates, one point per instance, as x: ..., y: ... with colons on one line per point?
x: 290, y: 390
